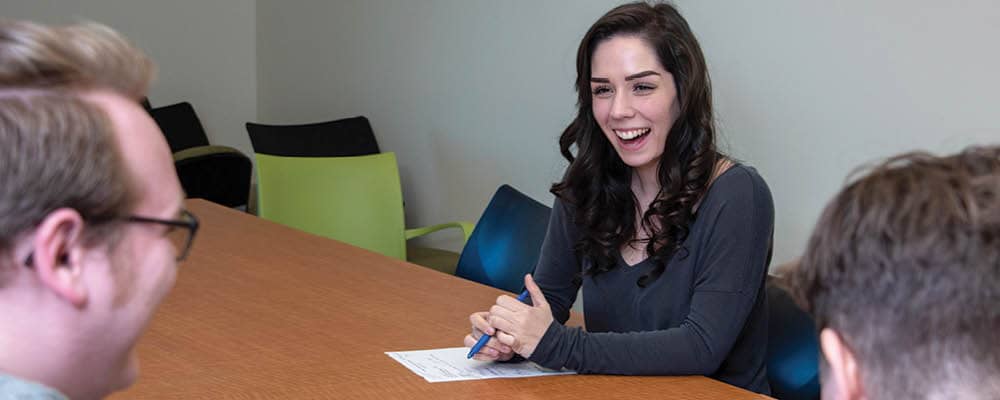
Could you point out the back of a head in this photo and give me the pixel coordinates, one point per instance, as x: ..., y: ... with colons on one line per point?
x: 56, y: 149
x: 904, y: 265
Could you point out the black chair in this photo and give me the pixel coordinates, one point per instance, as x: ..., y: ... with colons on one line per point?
x: 219, y: 174
x: 338, y: 138
x: 792, y: 347
x: 181, y: 125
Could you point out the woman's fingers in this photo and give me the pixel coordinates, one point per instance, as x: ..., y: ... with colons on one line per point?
x: 537, y: 297
x: 505, y: 325
x: 506, y: 339
x: 480, y: 321
x: 493, y: 350
x: 510, y: 303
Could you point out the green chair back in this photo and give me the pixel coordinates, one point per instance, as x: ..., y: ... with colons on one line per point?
x: 357, y: 200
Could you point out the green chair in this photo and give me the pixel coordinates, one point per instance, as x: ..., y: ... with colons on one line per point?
x: 357, y: 200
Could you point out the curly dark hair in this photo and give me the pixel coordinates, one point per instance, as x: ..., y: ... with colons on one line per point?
x: 597, y: 181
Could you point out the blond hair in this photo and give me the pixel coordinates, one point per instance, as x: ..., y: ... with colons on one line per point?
x: 73, y: 57
x: 57, y: 150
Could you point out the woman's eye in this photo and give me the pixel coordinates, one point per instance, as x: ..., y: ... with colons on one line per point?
x: 642, y: 88
x: 601, y: 91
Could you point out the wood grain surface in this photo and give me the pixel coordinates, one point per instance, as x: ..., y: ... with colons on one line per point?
x: 262, y: 311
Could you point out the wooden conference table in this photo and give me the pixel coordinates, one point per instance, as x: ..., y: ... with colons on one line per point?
x: 264, y: 311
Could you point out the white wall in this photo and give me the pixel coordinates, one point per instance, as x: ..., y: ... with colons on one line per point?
x: 473, y: 94
x: 206, y: 52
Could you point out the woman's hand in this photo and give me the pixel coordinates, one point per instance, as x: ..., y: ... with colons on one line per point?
x: 493, y: 350
x: 519, y: 325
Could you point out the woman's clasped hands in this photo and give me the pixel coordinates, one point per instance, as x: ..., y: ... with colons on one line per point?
x: 515, y: 327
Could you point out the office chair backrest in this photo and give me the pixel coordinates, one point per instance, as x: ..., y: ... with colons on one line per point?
x: 506, y: 241
x: 216, y: 173
x: 340, y: 138
x: 181, y: 126
x: 356, y: 200
x: 792, y: 348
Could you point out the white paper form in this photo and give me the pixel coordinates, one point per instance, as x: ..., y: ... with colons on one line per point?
x: 446, y: 365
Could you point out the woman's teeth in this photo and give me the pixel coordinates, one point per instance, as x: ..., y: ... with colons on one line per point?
x: 631, y: 133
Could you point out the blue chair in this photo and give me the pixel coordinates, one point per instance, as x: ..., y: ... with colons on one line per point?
x: 506, y: 242
x: 792, y: 347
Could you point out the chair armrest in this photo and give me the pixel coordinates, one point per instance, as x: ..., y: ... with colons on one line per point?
x: 199, y: 151
x: 466, y: 228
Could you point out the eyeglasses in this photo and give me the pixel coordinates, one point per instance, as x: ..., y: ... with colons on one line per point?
x: 180, y: 232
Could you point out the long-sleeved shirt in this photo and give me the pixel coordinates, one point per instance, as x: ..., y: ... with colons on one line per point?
x: 705, y: 315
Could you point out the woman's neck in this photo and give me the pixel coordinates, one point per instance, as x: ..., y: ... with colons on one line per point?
x: 646, y: 184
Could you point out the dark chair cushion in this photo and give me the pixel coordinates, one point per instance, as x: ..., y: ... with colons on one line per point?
x: 215, y: 173
x: 792, y: 348
x: 339, y: 138
x: 181, y: 126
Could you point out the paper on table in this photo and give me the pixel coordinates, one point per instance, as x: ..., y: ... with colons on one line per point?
x: 446, y: 365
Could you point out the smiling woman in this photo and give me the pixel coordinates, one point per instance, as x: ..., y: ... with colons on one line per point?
x: 669, y: 239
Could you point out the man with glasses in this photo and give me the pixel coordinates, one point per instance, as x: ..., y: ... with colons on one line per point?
x: 91, y: 217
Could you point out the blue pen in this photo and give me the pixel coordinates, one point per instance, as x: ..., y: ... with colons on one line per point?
x: 486, y: 338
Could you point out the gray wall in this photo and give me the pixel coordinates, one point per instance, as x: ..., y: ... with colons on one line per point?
x: 469, y: 94
x: 473, y: 94
x: 206, y: 52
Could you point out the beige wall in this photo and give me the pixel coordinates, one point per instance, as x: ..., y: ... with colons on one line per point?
x: 473, y: 94
x: 206, y: 52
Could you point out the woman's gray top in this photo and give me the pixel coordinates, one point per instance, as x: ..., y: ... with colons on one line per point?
x: 705, y: 315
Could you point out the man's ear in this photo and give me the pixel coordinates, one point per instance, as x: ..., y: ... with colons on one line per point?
x: 843, y: 371
x: 58, y: 253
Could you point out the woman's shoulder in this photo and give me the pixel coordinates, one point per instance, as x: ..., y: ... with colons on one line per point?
x: 740, y: 181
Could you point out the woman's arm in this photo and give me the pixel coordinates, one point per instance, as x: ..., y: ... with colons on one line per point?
x: 557, y: 268
x: 558, y: 265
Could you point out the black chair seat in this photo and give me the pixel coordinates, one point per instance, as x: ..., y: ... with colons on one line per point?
x: 216, y: 173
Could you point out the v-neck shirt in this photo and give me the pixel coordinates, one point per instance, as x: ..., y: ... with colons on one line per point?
x: 705, y: 315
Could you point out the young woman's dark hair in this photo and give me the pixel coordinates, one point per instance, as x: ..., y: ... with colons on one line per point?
x: 597, y: 181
